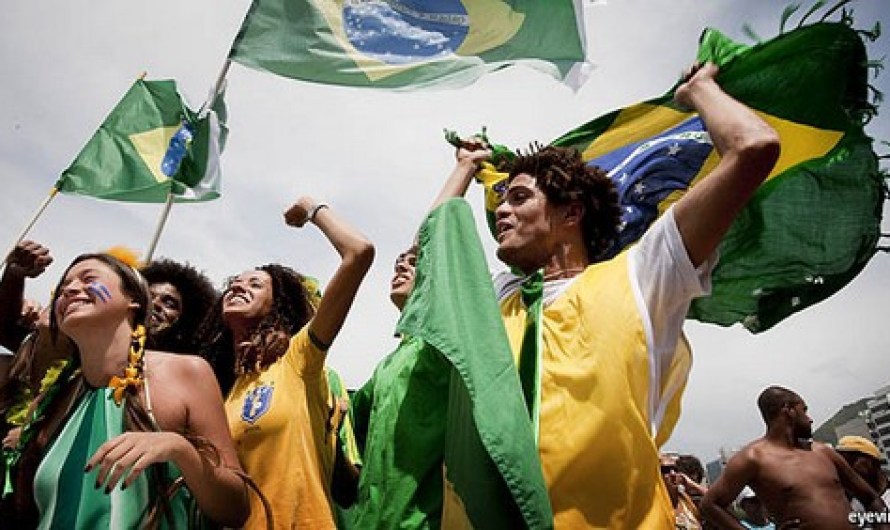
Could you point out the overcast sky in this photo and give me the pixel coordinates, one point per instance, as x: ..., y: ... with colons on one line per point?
x: 378, y: 158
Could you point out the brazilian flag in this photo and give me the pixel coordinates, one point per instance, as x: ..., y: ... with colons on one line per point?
x: 408, y: 43
x: 813, y: 224
x: 150, y: 145
x: 493, y: 476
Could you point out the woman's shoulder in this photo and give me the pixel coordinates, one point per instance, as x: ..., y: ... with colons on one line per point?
x: 177, y: 364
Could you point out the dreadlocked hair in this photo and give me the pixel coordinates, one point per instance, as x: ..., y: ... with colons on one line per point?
x: 55, y: 405
x: 564, y: 177
x: 198, y: 296
x: 269, y: 340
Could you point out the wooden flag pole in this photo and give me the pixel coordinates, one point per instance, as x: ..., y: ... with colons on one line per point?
x: 217, y: 87
x: 161, y: 222
x: 52, y: 195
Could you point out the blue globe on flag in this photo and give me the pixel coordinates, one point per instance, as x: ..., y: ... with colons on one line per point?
x: 405, y: 31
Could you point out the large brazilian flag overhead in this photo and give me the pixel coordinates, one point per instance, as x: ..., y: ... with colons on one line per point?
x: 408, y: 43
x: 813, y: 224
x: 151, y: 145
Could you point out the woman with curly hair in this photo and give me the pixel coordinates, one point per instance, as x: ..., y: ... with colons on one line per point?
x: 105, y: 448
x: 268, y: 349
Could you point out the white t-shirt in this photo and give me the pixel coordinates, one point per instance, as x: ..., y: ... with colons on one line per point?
x: 664, y: 283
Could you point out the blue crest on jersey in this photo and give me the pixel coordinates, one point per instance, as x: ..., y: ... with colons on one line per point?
x: 256, y: 403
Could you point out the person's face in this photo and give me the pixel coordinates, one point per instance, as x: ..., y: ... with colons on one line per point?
x: 249, y: 297
x: 801, y: 422
x: 403, y: 277
x: 524, y: 225
x: 166, y: 307
x: 754, y: 510
x: 90, y: 290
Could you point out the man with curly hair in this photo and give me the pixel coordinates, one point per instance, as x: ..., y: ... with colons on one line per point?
x: 598, y: 342
x: 180, y: 298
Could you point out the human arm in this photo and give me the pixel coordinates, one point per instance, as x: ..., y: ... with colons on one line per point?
x: 739, y: 472
x: 356, y: 256
x: 748, y: 149
x: 691, y: 487
x: 853, y: 481
x: 217, y: 488
x: 27, y: 260
x: 468, y: 156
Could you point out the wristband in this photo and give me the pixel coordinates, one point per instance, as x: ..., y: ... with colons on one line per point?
x: 315, y: 210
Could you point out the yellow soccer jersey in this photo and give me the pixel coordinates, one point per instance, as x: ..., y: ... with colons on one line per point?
x: 281, y: 422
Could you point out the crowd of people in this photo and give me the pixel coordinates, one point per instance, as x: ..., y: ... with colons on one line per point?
x: 142, y: 397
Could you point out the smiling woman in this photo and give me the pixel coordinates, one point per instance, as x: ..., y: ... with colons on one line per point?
x: 102, y: 451
x: 268, y: 348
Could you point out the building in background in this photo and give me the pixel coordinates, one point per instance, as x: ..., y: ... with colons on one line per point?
x: 878, y: 420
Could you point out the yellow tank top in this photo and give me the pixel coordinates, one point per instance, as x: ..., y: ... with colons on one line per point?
x: 598, y: 455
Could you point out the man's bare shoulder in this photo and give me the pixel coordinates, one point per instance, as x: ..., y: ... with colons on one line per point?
x: 753, y: 451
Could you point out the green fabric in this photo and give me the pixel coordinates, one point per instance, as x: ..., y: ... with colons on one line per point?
x: 401, y: 413
x: 66, y: 496
x: 123, y: 161
x: 782, y: 255
x: 326, y: 42
x: 490, y: 453
x: 532, y: 292
x: 345, y: 435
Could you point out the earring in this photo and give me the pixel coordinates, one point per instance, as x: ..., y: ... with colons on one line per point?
x: 133, y: 372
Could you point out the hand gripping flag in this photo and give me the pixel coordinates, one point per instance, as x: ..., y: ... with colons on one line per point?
x: 812, y: 225
x: 151, y: 145
x: 410, y: 43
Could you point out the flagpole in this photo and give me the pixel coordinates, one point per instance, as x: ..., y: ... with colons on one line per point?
x: 220, y: 79
x: 40, y: 209
x: 161, y: 222
x: 214, y: 93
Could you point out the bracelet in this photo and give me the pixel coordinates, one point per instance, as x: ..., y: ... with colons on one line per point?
x: 315, y: 210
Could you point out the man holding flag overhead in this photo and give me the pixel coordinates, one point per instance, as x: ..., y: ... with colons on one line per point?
x: 598, y: 343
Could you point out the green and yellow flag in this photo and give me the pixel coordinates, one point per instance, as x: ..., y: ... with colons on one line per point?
x: 493, y: 476
x: 150, y: 145
x: 409, y: 43
x: 812, y: 225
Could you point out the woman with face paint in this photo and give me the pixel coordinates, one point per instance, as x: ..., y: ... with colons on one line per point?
x: 268, y: 348
x: 123, y: 439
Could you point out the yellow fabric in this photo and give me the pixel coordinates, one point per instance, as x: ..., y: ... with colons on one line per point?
x: 282, y: 423
x: 598, y: 456
x: 18, y: 412
x: 641, y: 121
x: 672, y: 386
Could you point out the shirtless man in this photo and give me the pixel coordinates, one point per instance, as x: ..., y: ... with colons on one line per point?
x: 800, y: 482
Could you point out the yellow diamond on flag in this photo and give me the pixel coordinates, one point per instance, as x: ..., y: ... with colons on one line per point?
x: 152, y: 146
x: 411, y: 37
